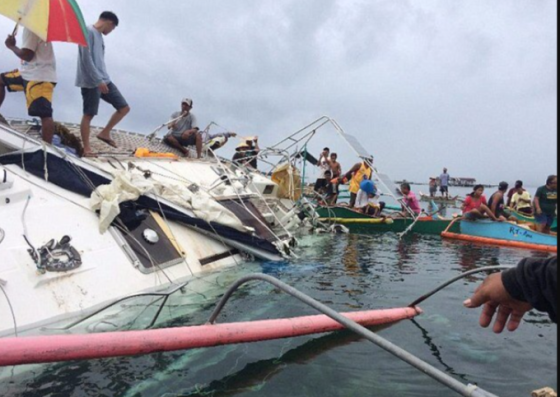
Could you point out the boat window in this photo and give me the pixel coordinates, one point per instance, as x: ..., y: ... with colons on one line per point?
x: 249, y: 214
x: 147, y: 242
x: 268, y: 190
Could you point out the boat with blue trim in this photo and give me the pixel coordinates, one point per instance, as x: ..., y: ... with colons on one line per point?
x: 504, y: 234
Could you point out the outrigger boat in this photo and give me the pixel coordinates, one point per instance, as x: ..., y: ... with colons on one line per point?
x: 505, y: 234
x: 439, y: 199
x: 161, y: 220
x: 354, y: 221
x: 361, y: 223
x: 529, y: 219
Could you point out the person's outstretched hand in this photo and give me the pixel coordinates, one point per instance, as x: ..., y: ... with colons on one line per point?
x: 493, y: 295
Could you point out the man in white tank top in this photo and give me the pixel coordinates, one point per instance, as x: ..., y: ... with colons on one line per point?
x: 324, y: 164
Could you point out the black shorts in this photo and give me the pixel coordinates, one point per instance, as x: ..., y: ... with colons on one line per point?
x: 190, y: 141
x: 320, y: 184
x: 444, y: 189
x: 92, y: 98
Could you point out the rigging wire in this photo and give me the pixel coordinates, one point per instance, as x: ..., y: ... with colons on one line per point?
x: 458, y: 278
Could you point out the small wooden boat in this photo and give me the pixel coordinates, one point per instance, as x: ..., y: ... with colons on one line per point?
x: 48, y: 349
x: 361, y: 223
x: 524, y: 218
x: 439, y: 199
x: 503, y: 234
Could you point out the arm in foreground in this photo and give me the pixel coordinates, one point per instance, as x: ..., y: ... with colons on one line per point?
x: 509, y: 295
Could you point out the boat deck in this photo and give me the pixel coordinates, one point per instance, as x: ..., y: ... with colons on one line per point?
x: 128, y: 142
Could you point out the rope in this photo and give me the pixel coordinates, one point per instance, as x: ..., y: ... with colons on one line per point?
x: 11, y: 310
x: 401, y: 235
x: 45, y: 165
x: 25, y: 235
x: 240, y: 204
x: 265, y: 202
x: 171, y: 230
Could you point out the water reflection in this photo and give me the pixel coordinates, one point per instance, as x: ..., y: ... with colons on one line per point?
x: 256, y: 374
x: 350, y: 259
x: 428, y: 340
x: 407, y: 250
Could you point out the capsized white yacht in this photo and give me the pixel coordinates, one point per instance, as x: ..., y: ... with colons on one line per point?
x: 77, y: 234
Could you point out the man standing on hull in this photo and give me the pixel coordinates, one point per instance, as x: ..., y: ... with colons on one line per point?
x: 96, y: 84
x: 37, y: 78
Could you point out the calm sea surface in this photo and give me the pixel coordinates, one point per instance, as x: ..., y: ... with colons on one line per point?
x: 348, y: 273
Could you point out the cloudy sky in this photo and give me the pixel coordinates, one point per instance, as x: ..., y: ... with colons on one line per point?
x: 470, y: 85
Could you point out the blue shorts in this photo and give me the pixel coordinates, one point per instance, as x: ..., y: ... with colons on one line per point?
x: 545, y: 219
x: 92, y: 97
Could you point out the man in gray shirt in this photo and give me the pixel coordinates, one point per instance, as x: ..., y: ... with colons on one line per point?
x: 93, y: 79
x: 184, y: 131
x: 444, y: 183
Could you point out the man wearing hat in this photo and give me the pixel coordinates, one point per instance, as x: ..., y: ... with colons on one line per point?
x: 246, y: 152
x: 183, y: 132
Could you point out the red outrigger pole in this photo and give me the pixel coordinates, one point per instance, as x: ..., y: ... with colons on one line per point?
x: 47, y: 349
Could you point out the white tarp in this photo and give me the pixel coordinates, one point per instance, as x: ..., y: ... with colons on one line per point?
x: 130, y: 185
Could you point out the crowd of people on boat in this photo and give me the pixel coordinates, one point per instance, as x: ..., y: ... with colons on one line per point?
x: 364, y: 195
x: 543, y: 207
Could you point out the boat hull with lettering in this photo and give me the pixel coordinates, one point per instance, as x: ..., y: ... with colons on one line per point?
x: 504, y: 234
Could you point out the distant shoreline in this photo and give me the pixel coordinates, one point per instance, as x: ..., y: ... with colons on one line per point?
x: 427, y: 184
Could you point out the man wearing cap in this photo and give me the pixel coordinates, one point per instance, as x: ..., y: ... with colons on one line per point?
x: 183, y: 132
x: 497, y: 202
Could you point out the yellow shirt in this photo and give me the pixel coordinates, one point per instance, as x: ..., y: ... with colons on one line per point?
x: 516, y: 202
x: 358, y: 178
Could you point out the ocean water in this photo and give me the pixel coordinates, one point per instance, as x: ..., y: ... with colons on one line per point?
x: 348, y: 273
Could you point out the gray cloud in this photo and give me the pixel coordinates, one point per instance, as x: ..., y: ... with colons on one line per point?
x: 467, y: 85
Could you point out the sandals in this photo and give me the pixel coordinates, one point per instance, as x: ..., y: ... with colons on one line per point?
x: 108, y: 141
